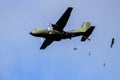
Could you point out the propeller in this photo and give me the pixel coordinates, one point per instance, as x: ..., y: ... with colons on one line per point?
x: 41, y: 39
x: 49, y: 26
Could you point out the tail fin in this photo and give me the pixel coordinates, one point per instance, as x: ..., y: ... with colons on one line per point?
x: 84, y: 28
x: 87, y: 33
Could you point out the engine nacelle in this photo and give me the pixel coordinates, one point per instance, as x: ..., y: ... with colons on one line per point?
x: 52, y: 25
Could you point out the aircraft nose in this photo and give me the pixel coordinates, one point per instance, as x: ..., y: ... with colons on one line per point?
x: 31, y: 33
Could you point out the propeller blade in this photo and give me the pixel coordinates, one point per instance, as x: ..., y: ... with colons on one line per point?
x: 49, y: 28
x: 49, y: 24
x: 41, y: 39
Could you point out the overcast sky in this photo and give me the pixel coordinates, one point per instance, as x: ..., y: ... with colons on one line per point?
x: 21, y: 58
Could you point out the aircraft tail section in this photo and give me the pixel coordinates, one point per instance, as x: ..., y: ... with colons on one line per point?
x: 84, y: 28
x: 87, y: 33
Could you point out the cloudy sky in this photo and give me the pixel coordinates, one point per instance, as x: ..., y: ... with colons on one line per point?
x: 21, y: 58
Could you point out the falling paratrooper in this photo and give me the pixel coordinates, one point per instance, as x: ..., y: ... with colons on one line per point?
x: 111, y: 45
x: 112, y: 42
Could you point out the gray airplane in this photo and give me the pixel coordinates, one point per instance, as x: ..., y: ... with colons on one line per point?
x: 57, y: 33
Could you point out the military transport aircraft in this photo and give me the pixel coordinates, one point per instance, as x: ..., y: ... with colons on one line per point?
x: 57, y: 33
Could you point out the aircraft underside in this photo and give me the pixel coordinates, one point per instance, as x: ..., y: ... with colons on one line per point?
x: 58, y: 37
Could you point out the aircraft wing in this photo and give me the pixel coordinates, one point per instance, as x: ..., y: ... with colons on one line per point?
x: 63, y: 20
x: 46, y: 43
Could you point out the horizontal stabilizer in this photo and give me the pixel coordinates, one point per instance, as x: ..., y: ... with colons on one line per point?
x: 87, y: 33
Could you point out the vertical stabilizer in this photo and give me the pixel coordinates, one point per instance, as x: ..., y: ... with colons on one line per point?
x: 85, y: 26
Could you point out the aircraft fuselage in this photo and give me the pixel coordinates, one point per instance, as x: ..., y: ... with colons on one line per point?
x: 54, y: 34
x: 57, y: 33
